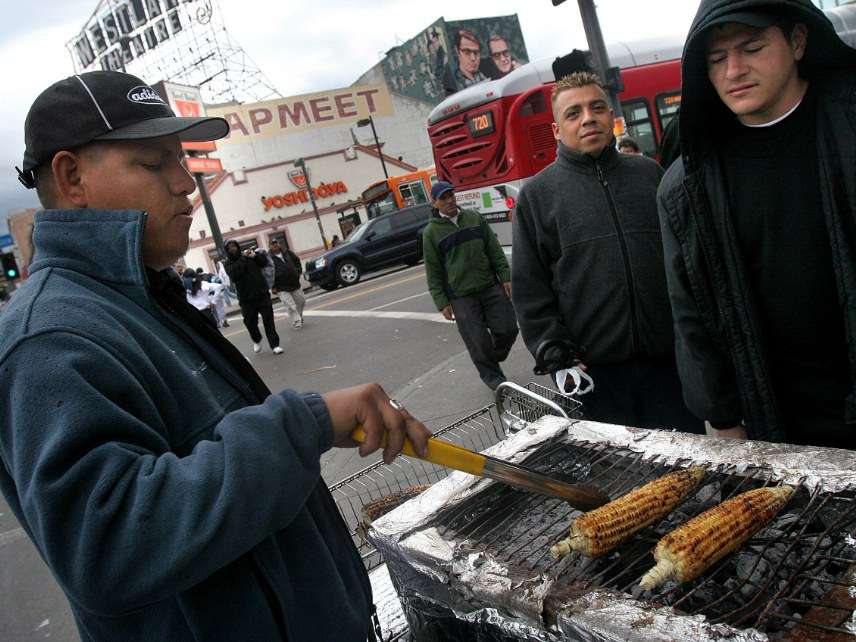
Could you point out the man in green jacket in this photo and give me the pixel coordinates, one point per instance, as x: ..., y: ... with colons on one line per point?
x: 470, y: 281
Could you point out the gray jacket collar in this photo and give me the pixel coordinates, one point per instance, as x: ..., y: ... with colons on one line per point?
x: 104, y: 244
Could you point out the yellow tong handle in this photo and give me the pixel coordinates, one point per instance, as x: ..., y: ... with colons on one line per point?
x: 440, y: 452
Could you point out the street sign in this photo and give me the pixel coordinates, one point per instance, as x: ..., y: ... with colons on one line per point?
x: 203, y: 165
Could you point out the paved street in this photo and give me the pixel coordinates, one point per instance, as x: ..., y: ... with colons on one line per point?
x: 384, y: 329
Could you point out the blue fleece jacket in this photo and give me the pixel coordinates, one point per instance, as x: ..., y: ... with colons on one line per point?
x: 168, y: 500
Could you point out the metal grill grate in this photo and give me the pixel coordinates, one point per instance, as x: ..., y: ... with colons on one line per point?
x: 771, y: 583
x: 477, y: 431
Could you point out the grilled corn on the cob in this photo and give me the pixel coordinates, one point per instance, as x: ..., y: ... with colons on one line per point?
x: 599, y: 531
x: 691, y: 549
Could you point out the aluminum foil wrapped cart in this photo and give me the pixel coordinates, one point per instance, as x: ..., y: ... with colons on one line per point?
x: 470, y: 559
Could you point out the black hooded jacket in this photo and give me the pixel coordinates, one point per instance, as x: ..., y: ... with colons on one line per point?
x: 719, y: 343
x: 247, y: 277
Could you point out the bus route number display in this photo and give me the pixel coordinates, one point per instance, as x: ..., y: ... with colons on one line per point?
x: 481, y: 124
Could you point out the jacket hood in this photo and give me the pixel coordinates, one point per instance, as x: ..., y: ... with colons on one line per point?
x: 703, y: 114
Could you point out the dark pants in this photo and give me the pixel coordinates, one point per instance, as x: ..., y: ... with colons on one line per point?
x: 488, y: 327
x: 251, y: 311
x: 643, y: 393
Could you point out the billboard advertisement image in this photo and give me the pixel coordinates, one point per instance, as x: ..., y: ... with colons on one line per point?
x: 448, y: 56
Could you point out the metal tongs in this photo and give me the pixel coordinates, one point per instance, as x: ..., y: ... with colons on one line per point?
x: 580, y: 496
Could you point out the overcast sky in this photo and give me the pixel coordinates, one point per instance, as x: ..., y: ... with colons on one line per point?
x: 301, y: 47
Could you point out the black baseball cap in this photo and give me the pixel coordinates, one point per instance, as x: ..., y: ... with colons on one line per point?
x: 757, y: 19
x: 103, y: 105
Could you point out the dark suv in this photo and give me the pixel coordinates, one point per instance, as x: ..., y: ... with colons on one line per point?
x: 386, y: 240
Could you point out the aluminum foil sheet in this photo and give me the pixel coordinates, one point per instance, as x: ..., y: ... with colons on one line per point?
x: 435, y: 580
x: 389, y: 611
x: 828, y: 469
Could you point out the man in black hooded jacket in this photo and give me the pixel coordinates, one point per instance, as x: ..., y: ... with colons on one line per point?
x: 758, y: 224
x: 245, y: 271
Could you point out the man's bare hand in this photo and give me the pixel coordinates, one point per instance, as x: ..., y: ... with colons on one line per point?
x: 248, y: 253
x: 448, y: 313
x: 369, y: 406
x: 735, y: 432
x: 507, y: 287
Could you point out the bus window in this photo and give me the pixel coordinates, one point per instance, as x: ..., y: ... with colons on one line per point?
x: 639, y: 125
x: 667, y: 107
x: 384, y: 206
x: 535, y: 104
x: 413, y: 193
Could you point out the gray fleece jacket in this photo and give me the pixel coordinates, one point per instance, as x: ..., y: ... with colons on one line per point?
x: 588, y: 259
x: 170, y: 500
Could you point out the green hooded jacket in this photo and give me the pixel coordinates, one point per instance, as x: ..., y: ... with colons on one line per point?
x: 461, y: 259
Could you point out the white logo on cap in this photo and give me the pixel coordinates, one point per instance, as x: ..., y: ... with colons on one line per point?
x: 145, y: 96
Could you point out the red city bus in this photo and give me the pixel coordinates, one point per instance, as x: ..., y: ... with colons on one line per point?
x: 490, y: 138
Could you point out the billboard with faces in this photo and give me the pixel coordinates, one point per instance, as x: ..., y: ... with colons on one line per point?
x: 451, y: 55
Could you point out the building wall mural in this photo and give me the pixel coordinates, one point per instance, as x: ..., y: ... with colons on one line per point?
x: 451, y: 55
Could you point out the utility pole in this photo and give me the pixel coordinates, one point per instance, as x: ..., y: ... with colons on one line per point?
x: 209, y: 213
x: 301, y: 163
x: 597, y: 47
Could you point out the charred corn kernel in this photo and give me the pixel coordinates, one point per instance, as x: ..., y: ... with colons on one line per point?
x: 688, y: 551
x: 599, y: 531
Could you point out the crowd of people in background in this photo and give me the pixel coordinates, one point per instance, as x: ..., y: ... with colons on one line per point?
x: 279, y: 269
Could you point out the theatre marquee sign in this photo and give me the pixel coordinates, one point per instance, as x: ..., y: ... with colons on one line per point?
x: 121, y: 31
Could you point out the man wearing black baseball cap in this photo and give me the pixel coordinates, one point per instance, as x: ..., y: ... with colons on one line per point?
x: 172, y: 495
x: 757, y: 220
x: 470, y: 281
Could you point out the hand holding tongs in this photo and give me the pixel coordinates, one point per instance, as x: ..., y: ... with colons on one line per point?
x: 444, y: 453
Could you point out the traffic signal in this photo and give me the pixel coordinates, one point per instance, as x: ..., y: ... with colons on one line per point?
x: 10, y: 266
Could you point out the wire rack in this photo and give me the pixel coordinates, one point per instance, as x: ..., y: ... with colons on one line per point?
x: 518, y: 406
x: 515, y: 406
x: 478, y: 431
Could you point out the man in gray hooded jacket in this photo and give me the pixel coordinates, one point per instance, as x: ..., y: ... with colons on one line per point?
x: 759, y: 224
x: 172, y: 495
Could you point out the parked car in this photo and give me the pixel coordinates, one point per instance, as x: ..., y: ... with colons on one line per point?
x: 386, y: 240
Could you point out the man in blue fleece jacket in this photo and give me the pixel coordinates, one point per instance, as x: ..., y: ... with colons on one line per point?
x: 171, y: 494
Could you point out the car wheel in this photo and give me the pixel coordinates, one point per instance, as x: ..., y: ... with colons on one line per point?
x: 329, y: 286
x: 348, y: 273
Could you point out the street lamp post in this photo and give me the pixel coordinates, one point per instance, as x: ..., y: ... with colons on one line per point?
x: 301, y: 163
x: 370, y: 121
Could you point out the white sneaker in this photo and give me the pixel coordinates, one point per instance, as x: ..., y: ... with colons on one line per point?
x: 277, y: 350
x: 257, y: 347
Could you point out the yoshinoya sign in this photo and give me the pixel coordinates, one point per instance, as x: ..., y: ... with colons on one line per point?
x: 325, y: 190
x: 121, y: 31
